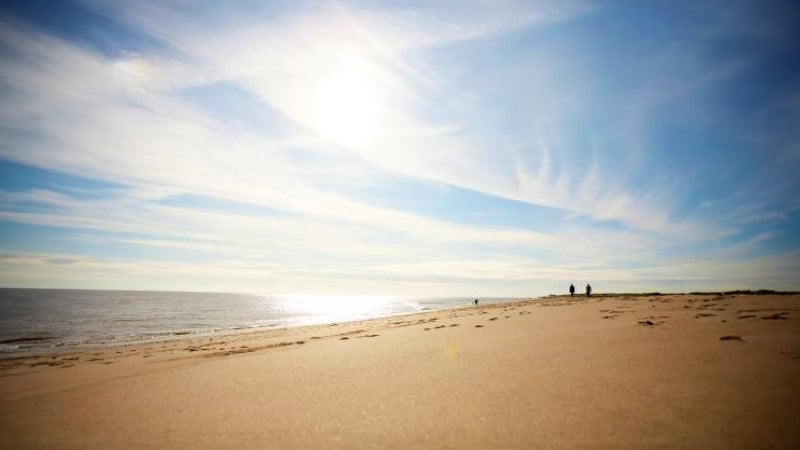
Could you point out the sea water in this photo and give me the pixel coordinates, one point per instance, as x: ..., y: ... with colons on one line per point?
x: 46, y: 320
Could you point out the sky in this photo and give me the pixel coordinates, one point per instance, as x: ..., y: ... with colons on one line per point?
x: 464, y: 148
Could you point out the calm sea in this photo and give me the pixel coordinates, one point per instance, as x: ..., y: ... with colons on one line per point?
x: 46, y: 320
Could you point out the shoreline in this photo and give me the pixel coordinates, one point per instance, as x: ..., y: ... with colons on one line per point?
x: 71, y: 336
x: 270, y: 331
x: 710, y: 371
x: 249, y: 333
x: 148, y: 339
x: 167, y: 337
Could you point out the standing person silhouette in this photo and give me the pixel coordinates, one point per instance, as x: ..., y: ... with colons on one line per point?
x: 571, y: 289
x: 588, y: 290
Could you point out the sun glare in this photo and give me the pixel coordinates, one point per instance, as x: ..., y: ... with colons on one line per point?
x: 345, y: 108
x: 336, y: 308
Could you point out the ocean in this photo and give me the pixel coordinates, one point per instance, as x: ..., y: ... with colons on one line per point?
x: 50, y: 320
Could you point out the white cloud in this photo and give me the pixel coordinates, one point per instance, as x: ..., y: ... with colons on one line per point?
x: 425, y: 279
x: 313, y: 47
x: 74, y: 110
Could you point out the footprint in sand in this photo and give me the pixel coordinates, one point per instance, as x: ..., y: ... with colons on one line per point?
x: 704, y: 315
x: 747, y: 316
x: 344, y: 338
x: 791, y: 355
x: 478, y: 326
x: 732, y: 338
x: 777, y: 316
x: 493, y: 318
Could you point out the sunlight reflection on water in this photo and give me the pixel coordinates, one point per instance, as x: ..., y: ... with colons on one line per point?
x: 33, y: 320
x: 339, y: 308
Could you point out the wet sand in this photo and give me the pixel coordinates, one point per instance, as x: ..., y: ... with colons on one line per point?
x: 670, y: 371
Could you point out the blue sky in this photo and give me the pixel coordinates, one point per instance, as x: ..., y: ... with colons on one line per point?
x: 388, y: 148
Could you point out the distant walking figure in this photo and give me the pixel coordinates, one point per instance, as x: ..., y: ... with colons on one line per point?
x: 571, y: 290
x: 588, y: 290
x: 476, y: 302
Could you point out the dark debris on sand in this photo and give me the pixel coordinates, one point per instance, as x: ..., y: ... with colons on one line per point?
x: 777, y: 316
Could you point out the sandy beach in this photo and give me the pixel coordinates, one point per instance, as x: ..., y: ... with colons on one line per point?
x: 667, y: 371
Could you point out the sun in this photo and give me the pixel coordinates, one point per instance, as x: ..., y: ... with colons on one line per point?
x: 345, y: 108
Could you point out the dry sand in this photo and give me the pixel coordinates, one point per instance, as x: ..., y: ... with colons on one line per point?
x: 673, y: 371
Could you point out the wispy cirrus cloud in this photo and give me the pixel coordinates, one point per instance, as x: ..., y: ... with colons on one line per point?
x: 309, y: 49
x: 249, y: 106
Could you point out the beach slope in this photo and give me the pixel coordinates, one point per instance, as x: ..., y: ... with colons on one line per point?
x: 667, y: 371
